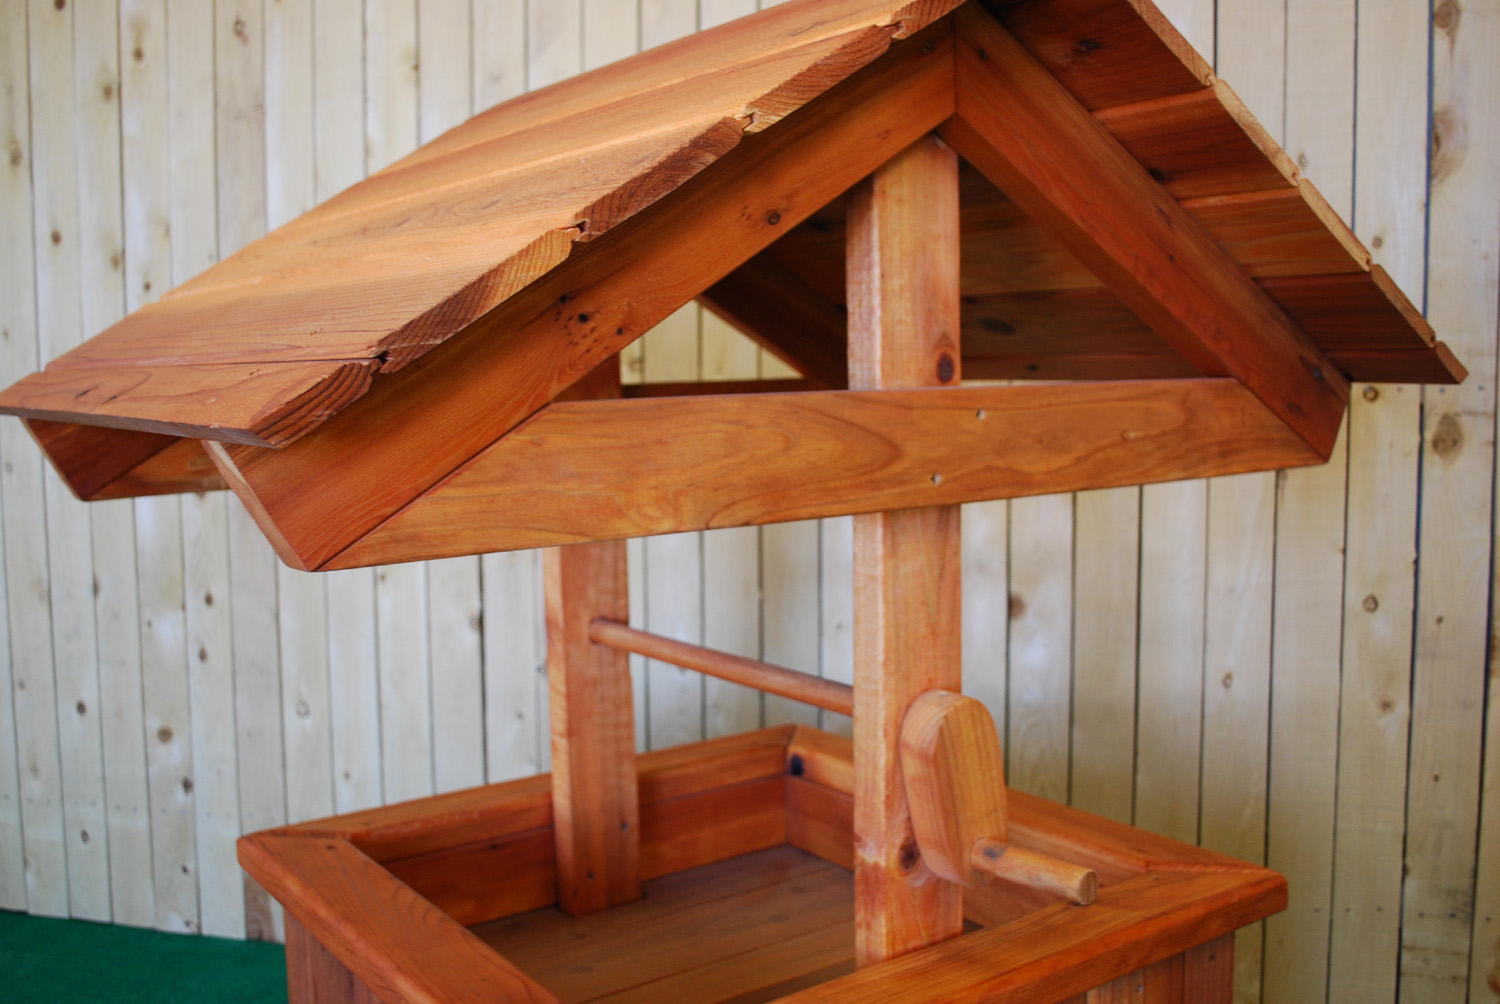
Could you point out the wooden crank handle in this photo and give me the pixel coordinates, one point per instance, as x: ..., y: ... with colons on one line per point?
x: 1035, y: 869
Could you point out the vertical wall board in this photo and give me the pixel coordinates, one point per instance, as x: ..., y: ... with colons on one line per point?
x: 732, y: 572
x: 1307, y: 615
x: 514, y: 682
x: 672, y: 571
x: 203, y: 524
x: 180, y: 709
x: 391, y: 88
x: 353, y: 690
x: 145, y: 175
x: 1040, y: 608
x: 116, y: 632
x: 1170, y: 693
x: 338, y: 94
x: 1391, y: 135
x: 789, y: 632
x: 456, y: 648
x: 1307, y: 629
x: 240, y: 95
x: 1237, y: 686
x: 635, y: 563
x: 1106, y: 561
x: 497, y: 51
x: 986, y: 605
x: 674, y: 608
x: 512, y: 729
x: 674, y: 562
x: 12, y: 857
x: 836, y: 611
x: 610, y: 31
x: 68, y: 545
x: 291, y: 170
x: 1374, y: 712
x: 731, y: 623
x: 21, y: 471
x: 1457, y: 506
x: 1195, y: 19
x: 554, y: 46
x: 1251, y: 51
x: 444, y: 74
x: 444, y: 79
x: 405, y: 694
x: 301, y: 603
x: 794, y: 580
x: 306, y: 714
x: 187, y: 661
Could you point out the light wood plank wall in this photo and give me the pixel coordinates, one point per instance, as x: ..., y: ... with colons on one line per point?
x: 1291, y: 668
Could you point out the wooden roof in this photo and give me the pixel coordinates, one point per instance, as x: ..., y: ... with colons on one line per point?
x: 1149, y: 229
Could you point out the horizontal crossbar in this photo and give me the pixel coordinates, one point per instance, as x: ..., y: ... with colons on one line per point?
x: 776, y: 680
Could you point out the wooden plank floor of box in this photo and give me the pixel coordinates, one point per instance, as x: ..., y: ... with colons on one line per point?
x: 401, y: 904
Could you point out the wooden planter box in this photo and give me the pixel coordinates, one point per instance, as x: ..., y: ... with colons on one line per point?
x: 745, y: 846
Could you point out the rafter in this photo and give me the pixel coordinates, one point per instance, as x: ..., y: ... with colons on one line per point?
x: 1043, y: 149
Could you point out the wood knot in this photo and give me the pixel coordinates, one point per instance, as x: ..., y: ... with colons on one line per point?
x: 946, y: 368
x: 1017, y: 605
x: 1446, y: 15
x: 1371, y: 603
x: 908, y: 857
x: 1087, y: 46
x: 164, y: 734
x: 1448, y: 437
x: 1371, y: 393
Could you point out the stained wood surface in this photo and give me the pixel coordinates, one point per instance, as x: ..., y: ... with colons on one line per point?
x: 313, y: 974
x: 596, y: 814
x: 902, y: 265
x: 754, y: 928
x: 779, y: 680
x: 396, y: 943
x: 742, y: 930
x: 456, y: 389
x: 482, y: 249
x: 579, y: 470
x: 1220, y: 322
x: 955, y: 781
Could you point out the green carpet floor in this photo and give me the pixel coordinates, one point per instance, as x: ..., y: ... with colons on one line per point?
x: 46, y: 961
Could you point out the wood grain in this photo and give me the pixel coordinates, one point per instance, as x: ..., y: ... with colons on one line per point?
x: 1201, y: 142
x: 1107, y: 52
x: 785, y: 315
x: 789, y: 683
x: 902, y: 260
x: 396, y: 943
x: 1214, y: 315
x: 629, y: 468
x: 596, y: 815
x: 955, y: 782
x: 597, y: 305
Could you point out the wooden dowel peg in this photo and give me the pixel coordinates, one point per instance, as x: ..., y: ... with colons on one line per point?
x: 776, y: 680
x: 1035, y: 870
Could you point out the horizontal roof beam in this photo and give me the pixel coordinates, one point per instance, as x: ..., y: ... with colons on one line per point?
x: 600, y: 470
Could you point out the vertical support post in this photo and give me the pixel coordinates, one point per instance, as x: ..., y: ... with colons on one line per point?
x: 595, y: 799
x: 903, y: 261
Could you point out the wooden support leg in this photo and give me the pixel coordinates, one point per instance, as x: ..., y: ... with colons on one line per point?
x: 595, y: 804
x: 903, y: 332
